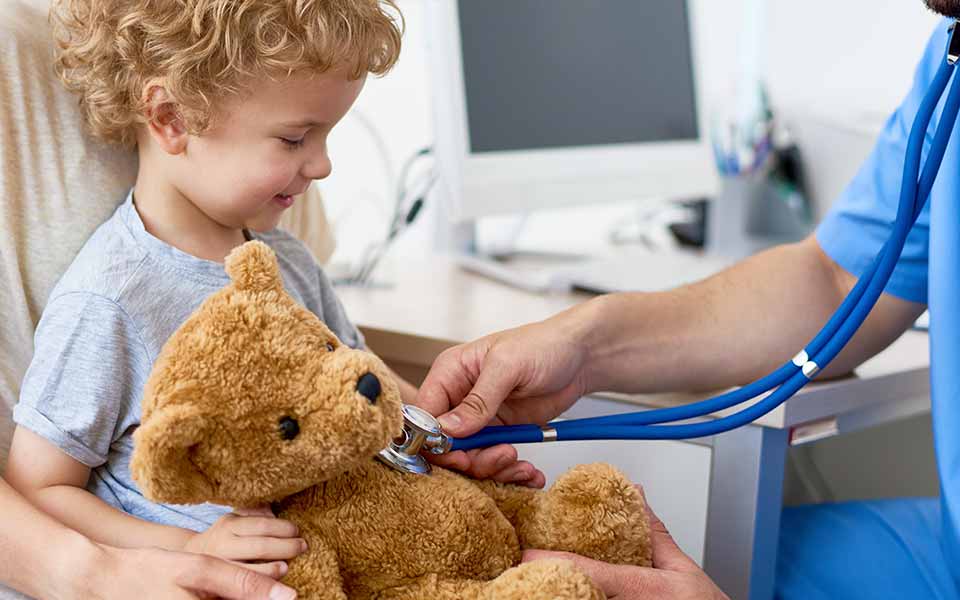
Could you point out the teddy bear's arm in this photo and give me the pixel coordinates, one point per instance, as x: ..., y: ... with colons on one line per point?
x: 315, y: 574
x: 517, y: 503
x: 591, y: 510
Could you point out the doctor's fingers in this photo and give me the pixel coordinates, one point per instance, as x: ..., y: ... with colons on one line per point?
x: 666, y: 553
x: 624, y: 582
x: 450, y: 378
x: 627, y: 582
x: 522, y: 473
x: 478, y: 463
x: 498, y: 462
x: 467, y: 384
x: 494, y: 382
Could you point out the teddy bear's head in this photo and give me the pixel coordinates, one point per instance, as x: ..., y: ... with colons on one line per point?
x: 253, y: 398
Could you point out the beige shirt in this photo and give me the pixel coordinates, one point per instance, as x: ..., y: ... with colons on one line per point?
x: 56, y: 187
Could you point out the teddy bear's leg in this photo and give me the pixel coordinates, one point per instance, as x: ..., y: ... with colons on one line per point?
x: 543, y: 579
x: 553, y: 579
x: 435, y: 587
x: 315, y: 574
x: 592, y: 510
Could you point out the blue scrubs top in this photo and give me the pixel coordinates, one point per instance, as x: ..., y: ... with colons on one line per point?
x: 864, y: 540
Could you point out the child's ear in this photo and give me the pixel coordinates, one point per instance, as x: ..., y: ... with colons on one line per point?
x: 161, y: 462
x: 164, y: 121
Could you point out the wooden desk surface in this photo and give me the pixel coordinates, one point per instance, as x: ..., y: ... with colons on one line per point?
x: 432, y: 304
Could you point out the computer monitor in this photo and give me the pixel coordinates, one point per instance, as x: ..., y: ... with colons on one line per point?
x: 547, y: 103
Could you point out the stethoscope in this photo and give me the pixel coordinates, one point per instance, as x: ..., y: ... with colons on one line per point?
x: 421, y: 430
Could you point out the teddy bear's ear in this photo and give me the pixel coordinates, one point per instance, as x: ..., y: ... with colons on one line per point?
x: 253, y: 266
x: 161, y: 462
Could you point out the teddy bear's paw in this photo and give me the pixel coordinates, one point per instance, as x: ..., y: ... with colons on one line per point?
x: 595, y: 511
x: 547, y: 579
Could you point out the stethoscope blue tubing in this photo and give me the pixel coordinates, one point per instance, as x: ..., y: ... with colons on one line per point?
x: 821, y: 350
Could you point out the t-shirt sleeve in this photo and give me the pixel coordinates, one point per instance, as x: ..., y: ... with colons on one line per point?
x: 861, y: 220
x: 88, y: 371
x: 335, y: 316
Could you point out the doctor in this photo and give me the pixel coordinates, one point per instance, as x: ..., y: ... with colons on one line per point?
x: 735, y: 327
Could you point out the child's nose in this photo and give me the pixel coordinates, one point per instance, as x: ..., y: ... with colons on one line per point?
x: 317, y: 167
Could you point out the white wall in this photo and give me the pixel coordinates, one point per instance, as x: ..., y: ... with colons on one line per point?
x: 834, y: 71
x: 356, y: 194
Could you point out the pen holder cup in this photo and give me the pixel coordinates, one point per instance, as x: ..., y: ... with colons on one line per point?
x: 753, y: 212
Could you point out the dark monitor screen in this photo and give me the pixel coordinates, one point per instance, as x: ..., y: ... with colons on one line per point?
x: 560, y: 73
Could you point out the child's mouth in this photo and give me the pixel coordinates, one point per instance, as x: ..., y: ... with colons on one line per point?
x: 283, y: 200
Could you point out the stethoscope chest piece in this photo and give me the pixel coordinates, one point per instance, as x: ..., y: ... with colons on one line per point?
x: 420, y: 431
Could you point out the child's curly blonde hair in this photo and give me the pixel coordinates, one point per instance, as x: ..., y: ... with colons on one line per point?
x: 206, y: 49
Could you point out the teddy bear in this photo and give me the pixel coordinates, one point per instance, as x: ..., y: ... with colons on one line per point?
x: 253, y: 400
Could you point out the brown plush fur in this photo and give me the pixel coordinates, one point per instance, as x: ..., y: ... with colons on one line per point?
x: 251, y: 356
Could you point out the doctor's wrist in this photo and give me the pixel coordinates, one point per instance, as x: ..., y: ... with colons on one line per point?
x: 610, y: 328
x: 592, y: 328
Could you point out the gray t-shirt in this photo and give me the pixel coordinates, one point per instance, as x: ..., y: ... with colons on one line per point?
x: 101, y: 331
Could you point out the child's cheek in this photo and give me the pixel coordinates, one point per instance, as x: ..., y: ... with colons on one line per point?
x: 262, y: 181
x: 278, y: 174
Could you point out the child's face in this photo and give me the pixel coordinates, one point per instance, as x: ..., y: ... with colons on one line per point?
x: 267, y: 146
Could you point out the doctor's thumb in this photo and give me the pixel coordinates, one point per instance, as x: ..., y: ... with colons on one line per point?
x: 613, y: 580
x: 479, y: 407
x: 467, y: 418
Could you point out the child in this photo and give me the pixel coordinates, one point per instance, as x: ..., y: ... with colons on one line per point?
x: 229, y: 104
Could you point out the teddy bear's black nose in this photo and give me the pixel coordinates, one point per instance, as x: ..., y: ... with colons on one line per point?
x: 369, y: 387
x: 289, y: 428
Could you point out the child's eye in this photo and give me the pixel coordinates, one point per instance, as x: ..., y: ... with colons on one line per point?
x: 292, y: 143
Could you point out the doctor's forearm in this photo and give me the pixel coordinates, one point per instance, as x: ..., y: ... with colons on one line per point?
x: 733, y: 327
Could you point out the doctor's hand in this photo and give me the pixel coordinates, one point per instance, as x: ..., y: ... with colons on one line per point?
x: 530, y: 374
x: 674, y: 575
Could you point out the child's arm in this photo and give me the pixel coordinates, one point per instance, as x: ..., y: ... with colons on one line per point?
x: 78, y: 399
x: 55, y: 482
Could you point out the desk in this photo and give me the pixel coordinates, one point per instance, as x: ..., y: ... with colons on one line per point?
x: 432, y: 305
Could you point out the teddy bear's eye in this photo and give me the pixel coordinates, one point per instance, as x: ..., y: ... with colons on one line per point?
x: 330, y: 347
x: 289, y: 428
